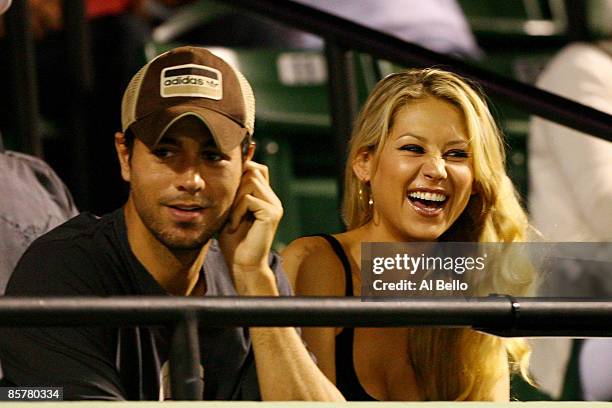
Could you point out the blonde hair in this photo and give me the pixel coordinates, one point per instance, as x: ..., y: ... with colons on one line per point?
x: 494, y: 214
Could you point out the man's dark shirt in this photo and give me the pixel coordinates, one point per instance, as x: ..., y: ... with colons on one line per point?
x: 91, y: 256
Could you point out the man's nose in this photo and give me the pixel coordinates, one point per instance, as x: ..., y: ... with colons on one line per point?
x: 191, y: 180
x: 434, y: 168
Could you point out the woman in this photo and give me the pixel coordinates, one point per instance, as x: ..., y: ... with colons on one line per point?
x: 426, y: 163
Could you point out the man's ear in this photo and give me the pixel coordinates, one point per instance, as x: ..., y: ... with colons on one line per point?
x: 123, y: 154
x: 363, y: 165
x: 250, y: 151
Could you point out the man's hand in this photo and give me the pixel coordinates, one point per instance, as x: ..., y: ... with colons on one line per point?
x: 285, y: 370
x: 247, y: 238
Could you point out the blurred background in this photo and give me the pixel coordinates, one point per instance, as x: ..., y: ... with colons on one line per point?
x: 63, y: 79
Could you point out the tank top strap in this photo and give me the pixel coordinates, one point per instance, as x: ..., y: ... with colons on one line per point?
x: 339, y: 251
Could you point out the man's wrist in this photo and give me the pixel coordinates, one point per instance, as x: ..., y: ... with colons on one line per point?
x: 255, y: 281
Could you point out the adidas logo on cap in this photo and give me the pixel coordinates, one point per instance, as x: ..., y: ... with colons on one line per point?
x: 191, y: 80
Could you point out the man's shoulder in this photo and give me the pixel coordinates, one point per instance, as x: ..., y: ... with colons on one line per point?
x: 215, y: 255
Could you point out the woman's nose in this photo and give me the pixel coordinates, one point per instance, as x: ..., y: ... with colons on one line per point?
x: 434, y: 168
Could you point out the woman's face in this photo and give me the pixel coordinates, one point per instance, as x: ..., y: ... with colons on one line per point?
x: 423, y: 178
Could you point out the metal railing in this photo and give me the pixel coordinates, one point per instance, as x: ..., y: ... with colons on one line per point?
x: 500, y: 315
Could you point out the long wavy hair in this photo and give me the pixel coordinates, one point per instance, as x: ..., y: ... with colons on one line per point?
x: 452, y: 364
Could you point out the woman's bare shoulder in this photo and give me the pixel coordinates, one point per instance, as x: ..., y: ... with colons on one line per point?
x: 306, y: 246
x: 313, y: 268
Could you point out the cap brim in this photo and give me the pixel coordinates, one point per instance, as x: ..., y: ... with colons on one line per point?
x: 226, y: 133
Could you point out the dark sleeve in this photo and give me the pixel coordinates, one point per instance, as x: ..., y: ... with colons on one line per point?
x: 81, y: 360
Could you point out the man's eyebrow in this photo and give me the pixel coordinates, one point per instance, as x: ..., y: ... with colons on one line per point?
x: 168, y: 140
x: 171, y: 140
x: 209, y: 142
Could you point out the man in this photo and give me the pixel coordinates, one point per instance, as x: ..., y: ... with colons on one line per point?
x: 186, y: 151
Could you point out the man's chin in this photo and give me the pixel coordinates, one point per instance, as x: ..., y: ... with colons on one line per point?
x: 184, y: 243
x: 184, y: 236
x: 184, y: 246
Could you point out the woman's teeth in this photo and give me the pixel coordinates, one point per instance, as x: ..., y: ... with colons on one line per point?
x: 427, y: 196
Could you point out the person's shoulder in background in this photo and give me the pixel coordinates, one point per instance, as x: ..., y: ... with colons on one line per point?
x: 580, y: 69
x: 33, y: 176
x: 34, y: 200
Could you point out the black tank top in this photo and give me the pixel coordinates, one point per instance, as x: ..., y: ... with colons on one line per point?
x: 346, y: 377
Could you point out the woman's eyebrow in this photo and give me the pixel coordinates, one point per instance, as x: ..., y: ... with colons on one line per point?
x: 457, y: 142
x: 424, y: 139
x: 419, y: 137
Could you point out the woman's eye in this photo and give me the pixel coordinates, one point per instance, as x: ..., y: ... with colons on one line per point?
x: 413, y: 148
x: 456, y: 154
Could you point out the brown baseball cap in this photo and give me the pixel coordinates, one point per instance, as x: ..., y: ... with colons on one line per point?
x: 189, y: 81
